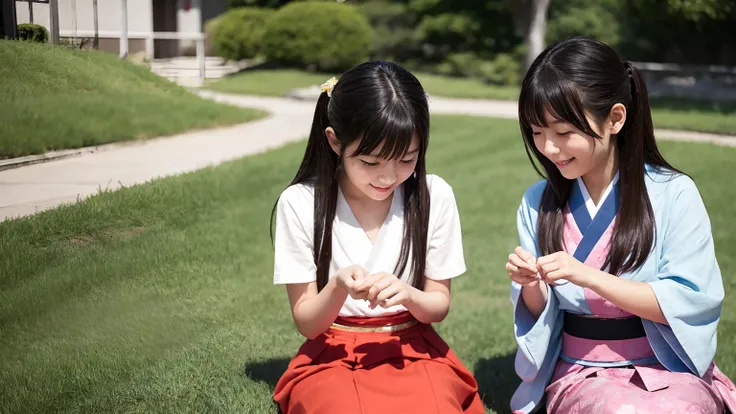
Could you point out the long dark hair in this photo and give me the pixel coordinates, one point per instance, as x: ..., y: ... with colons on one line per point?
x: 378, y: 103
x: 579, y: 76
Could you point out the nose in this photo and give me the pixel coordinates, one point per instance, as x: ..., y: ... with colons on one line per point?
x: 550, y: 148
x: 387, y: 176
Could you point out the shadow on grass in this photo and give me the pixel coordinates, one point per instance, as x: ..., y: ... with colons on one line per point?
x: 268, y: 371
x: 497, y: 381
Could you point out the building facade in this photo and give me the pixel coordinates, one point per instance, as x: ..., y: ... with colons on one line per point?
x: 158, y: 28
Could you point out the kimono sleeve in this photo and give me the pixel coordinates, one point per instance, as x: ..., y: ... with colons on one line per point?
x: 533, y: 336
x: 688, y: 286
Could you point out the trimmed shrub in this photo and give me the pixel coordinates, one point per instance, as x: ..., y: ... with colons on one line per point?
x: 318, y: 36
x: 33, y: 33
x: 238, y: 34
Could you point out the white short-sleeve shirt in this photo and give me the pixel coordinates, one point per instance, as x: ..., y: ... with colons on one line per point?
x: 294, y: 234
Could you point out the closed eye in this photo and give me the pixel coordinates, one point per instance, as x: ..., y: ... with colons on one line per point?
x: 369, y: 164
x: 564, y: 133
x: 408, y: 161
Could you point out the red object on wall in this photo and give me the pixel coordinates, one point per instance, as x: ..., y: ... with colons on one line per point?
x: 187, y: 5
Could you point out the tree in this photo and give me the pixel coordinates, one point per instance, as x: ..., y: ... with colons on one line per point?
x: 697, y: 10
x: 531, y: 18
x: 444, y: 27
x: 698, y: 32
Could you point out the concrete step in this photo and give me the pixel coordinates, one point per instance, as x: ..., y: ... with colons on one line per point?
x: 185, y: 70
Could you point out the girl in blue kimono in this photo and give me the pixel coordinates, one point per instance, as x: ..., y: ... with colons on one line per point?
x: 616, y: 289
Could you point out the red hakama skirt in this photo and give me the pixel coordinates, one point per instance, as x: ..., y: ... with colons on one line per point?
x: 388, y: 364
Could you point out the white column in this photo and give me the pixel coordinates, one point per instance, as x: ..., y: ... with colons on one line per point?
x: 74, y: 18
x: 150, y: 44
x: 96, y: 43
x: 200, y: 59
x: 149, y: 47
x: 124, y: 29
x: 54, y: 21
x: 200, y: 45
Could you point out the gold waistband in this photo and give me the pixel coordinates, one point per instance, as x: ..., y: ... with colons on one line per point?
x: 386, y: 328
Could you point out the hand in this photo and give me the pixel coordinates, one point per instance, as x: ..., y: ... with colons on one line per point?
x: 386, y: 290
x: 522, y: 267
x: 351, y: 278
x: 561, y: 265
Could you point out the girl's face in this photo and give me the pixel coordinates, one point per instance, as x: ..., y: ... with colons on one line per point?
x: 575, y: 153
x: 375, y: 177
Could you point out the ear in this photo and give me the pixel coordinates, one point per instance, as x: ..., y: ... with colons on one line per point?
x: 332, y: 140
x: 616, y: 119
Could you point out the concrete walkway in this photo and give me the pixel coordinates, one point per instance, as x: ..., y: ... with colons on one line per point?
x: 38, y: 187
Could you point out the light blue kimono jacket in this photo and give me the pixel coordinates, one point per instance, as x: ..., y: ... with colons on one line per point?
x: 682, y: 270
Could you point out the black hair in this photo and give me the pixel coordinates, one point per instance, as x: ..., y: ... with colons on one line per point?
x: 580, y: 76
x: 381, y: 104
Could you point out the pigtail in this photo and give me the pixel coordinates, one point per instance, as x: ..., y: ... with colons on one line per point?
x: 319, y: 165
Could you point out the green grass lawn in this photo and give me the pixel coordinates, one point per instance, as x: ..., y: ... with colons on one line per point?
x: 56, y: 97
x: 667, y: 113
x: 437, y: 85
x: 267, y: 82
x: 279, y: 82
x: 689, y: 115
x: 158, y: 298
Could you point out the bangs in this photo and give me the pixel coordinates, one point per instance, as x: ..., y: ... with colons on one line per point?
x: 391, y: 129
x: 548, y: 91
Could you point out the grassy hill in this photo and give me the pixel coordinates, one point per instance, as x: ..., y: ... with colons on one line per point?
x: 56, y: 97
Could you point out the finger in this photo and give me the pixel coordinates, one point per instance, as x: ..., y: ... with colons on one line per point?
x: 549, y: 267
x: 368, y: 281
x: 516, y: 272
x: 371, y: 288
x: 349, y: 284
x: 520, y: 263
x: 523, y: 280
x: 544, y: 260
x: 380, y: 285
x: 525, y: 255
x: 386, y: 293
x: 555, y: 275
x: 550, y: 258
x: 359, y: 274
x: 356, y: 294
x: 397, y: 299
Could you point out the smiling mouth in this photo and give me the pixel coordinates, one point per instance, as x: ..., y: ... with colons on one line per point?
x: 381, y: 189
x: 564, y: 163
